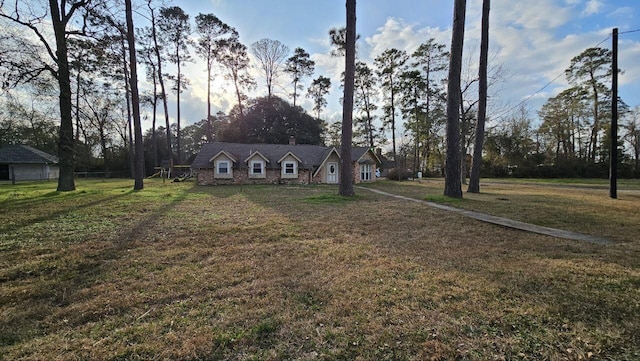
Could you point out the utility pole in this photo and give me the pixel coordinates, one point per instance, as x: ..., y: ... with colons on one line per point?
x: 613, y: 156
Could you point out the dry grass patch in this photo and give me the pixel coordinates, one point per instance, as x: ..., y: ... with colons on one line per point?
x: 580, y: 207
x: 274, y: 272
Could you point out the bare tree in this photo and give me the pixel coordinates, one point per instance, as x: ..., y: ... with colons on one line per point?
x: 474, y: 178
x: 271, y: 54
x: 346, y: 174
x: 453, y: 186
x: 62, y: 14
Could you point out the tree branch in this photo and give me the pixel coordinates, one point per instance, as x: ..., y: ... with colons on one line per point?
x: 42, y: 39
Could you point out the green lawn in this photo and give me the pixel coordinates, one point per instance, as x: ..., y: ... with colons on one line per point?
x: 180, y: 272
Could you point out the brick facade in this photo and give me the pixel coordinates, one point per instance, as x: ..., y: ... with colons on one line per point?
x: 241, y: 176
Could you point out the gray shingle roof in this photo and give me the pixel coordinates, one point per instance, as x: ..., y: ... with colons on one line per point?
x: 311, y: 155
x: 21, y: 154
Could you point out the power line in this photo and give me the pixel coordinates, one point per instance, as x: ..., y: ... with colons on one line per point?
x: 629, y: 31
x: 553, y: 80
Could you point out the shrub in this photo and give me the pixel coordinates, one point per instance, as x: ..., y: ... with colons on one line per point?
x: 399, y: 174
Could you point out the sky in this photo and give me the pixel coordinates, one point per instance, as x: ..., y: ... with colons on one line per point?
x: 531, y: 41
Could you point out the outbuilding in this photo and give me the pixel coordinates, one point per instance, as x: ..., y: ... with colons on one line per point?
x: 22, y: 162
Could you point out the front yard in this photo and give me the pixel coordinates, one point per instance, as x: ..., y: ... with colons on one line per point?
x: 183, y: 272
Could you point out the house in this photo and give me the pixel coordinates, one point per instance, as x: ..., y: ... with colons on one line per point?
x: 22, y: 162
x: 234, y: 163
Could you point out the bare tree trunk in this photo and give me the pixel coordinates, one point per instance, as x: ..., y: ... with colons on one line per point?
x: 135, y: 101
x: 127, y: 88
x: 179, y: 85
x: 474, y: 177
x: 161, y: 82
x: 209, y: 127
x: 295, y: 92
x: 452, y: 185
x: 78, y: 126
x: 393, y: 125
x: 346, y: 174
x: 596, y: 124
x: 239, y: 95
x: 66, y: 142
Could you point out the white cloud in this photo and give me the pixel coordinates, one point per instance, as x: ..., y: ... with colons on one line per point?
x: 397, y: 34
x: 592, y: 7
x: 622, y: 12
x: 541, y: 14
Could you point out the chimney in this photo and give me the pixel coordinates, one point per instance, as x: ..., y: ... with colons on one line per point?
x: 379, y: 152
x: 292, y: 140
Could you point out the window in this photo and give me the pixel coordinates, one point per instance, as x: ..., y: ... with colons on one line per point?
x: 365, y: 172
x: 289, y: 168
x: 256, y: 167
x: 223, y: 167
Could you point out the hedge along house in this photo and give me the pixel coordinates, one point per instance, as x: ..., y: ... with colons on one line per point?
x: 22, y: 162
x: 234, y: 163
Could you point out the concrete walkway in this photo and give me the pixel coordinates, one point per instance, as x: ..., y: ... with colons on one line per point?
x: 528, y: 227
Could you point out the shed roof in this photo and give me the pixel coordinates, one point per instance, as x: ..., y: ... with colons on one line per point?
x: 24, y: 154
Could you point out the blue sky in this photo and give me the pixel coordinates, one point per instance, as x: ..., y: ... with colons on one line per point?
x: 533, y: 41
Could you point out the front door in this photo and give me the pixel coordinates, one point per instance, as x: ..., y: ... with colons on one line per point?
x: 332, y: 173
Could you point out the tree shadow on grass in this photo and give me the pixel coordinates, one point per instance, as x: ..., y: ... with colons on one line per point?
x: 53, y: 212
x: 43, y: 293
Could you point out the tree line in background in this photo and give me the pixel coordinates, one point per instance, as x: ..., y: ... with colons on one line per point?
x: 397, y: 87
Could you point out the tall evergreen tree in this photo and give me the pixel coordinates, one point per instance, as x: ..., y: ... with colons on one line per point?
x: 474, y: 178
x: 365, y: 97
x: 211, y: 30
x: 317, y: 91
x: 232, y: 55
x: 346, y: 174
x: 389, y: 65
x: 299, y: 65
x: 453, y: 185
x: 135, y: 100
x: 175, y: 31
x: 158, y: 49
x: 589, y: 70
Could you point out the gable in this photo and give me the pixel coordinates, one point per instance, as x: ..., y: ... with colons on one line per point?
x: 364, y: 155
x: 256, y: 156
x: 289, y: 157
x: 367, y: 158
x: 223, y: 155
x: 331, y: 155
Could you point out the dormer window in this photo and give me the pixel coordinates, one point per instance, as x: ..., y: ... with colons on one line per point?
x: 289, y: 168
x: 289, y: 164
x: 223, y: 167
x: 257, y: 167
